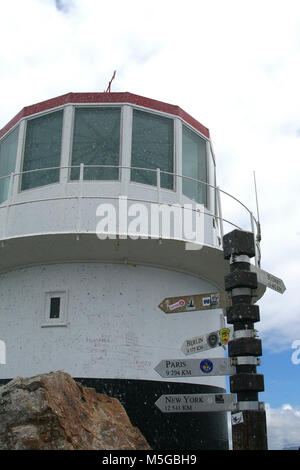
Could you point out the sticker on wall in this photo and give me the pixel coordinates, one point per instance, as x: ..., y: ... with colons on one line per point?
x: 206, y: 301
x: 180, y: 303
x: 213, y: 339
x: 206, y: 366
x: 224, y: 335
x: 219, y: 398
x: 191, y: 304
x: 214, y: 300
x: 237, y: 418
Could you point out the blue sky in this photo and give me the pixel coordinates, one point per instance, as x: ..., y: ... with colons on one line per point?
x: 232, y: 65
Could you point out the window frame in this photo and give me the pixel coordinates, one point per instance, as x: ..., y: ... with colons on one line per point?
x: 164, y: 115
x: 206, y: 140
x: 13, y: 129
x: 20, y: 173
x: 62, y: 320
x: 96, y: 105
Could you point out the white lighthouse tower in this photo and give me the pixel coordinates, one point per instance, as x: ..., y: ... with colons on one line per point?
x: 96, y: 191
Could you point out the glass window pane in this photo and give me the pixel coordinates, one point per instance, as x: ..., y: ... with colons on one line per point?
x: 54, y: 307
x: 8, y: 153
x: 96, y: 141
x: 152, y: 147
x: 42, y: 150
x: 194, y: 166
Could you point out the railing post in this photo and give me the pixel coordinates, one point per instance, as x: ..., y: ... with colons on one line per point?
x: 81, y: 173
x: 158, y: 184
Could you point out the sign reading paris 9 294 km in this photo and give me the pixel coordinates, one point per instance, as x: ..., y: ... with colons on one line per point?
x: 173, y: 368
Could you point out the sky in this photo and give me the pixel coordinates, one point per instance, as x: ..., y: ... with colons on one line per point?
x: 235, y: 67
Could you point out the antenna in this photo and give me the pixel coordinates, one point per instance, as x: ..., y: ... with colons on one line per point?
x: 257, y: 211
x: 258, y: 234
x: 109, y: 85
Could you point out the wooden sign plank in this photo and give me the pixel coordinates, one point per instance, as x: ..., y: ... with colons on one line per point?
x: 190, y: 303
x: 196, y: 403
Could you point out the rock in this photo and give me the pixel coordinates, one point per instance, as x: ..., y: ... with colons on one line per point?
x: 53, y: 412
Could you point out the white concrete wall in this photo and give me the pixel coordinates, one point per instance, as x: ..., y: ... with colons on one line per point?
x: 114, y: 326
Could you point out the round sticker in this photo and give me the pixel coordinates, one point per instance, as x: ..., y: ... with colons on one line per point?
x: 206, y: 366
x: 224, y: 335
x: 213, y: 340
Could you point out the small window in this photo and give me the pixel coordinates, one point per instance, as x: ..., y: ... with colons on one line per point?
x: 152, y: 148
x: 55, y: 313
x: 194, y: 166
x: 8, y: 153
x: 96, y: 141
x: 54, y: 307
x: 42, y: 150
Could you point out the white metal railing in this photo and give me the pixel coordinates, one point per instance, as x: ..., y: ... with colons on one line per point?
x: 14, y: 189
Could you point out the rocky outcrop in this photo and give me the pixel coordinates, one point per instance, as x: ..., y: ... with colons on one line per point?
x: 53, y: 412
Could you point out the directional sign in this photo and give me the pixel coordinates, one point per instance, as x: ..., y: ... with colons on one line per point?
x: 2, y: 352
x: 189, y: 303
x: 207, y: 341
x: 196, y: 402
x: 268, y: 280
x: 173, y: 368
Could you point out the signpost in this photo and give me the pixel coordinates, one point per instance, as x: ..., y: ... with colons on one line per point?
x: 195, y: 403
x: 268, y: 280
x: 207, y: 341
x: 249, y: 430
x: 189, y: 303
x: 248, y: 414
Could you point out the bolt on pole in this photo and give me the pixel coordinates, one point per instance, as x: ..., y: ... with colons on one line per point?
x: 249, y: 430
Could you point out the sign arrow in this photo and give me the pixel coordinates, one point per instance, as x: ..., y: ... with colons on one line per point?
x: 196, y: 403
x: 207, y: 341
x: 175, y: 368
x: 189, y: 303
x: 268, y: 280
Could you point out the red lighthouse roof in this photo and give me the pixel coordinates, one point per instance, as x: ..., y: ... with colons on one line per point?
x: 93, y: 98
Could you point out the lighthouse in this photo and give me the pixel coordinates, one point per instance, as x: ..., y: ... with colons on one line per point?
x: 109, y: 204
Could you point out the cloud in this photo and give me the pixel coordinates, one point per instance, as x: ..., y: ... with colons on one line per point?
x: 283, y: 427
x: 63, y: 5
x: 232, y: 65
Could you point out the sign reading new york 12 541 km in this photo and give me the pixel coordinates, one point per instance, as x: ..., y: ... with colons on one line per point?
x: 196, y: 403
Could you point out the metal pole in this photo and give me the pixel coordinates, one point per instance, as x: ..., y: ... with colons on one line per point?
x: 257, y: 211
x: 254, y: 233
x: 220, y: 213
x: 249, y: 431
